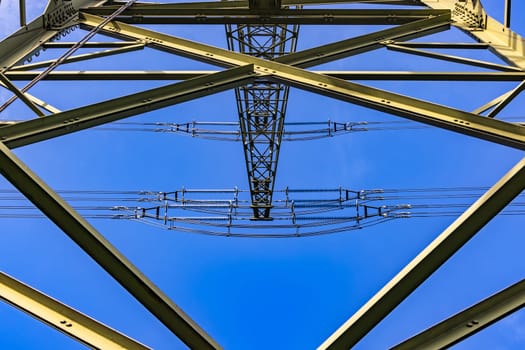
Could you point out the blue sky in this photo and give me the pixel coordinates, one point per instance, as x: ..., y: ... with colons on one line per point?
x: 266, y: 294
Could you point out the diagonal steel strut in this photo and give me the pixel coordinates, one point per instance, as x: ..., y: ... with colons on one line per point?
x: 505, y: 43
x: 67, y: 320
x: 67, y: 54
x: 469, y: 321
x: 505, y: 133
x: 35, y: 130
x: 429, y: 260
x: 105, y: 254
x: 389, y: 102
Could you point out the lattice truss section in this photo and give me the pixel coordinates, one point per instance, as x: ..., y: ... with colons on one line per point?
x: 262, y: 108
x: 260, y: 64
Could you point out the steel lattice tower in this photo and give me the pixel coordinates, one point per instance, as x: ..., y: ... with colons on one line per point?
x: 261, y: 63
x: 262, y: 108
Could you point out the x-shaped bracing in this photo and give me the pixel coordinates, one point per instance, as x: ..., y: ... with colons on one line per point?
x: 285, y: 69
x: 289, y: 70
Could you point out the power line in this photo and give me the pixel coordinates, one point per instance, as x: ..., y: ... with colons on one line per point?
x: 228, y: 212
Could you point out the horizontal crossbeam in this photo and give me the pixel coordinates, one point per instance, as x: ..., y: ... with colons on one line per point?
x: 234, y: 4
x: 173, y: 14
x: 306, y: 58
x: 89, y: 44
x: 346, y: 75
x: 442, y: 45
x: 452, y: 58
x: 82, y: 57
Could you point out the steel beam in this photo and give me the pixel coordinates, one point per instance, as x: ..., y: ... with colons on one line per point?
x: 236, y: 4
x: 172, y: 14
x: 31, y: 131
x: 505, y: 43
x: 346, y: 75
x: 423, y: 76
x: 114, y: 75
x: 453, y: 58
x: 306, y: 58
x: 22, y: 9
x: 445, y: 117
x: 508, y: 98
x: 429, y: 260
x: 373, y: 98
x: 78, y: 58
x: 89, y: 44
x: 492, y: 103
x: 21, y: 95
x: 507, y: 13
x: 442, y: 45
x: 27, y: 40
x: 261, y: 108
x: 161, y: 41
x: 364, y: 43
x: 504, y: 133
x: 63, y: 17
x: 106, y: 255
x: 62, y: 317
x: 37, y: 101
x: 470, y: 321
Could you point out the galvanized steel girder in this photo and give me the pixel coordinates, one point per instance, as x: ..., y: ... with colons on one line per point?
x: 493, y: 130
x: 505, y: 133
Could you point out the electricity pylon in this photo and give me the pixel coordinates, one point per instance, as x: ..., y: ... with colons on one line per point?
x: 261, y: 74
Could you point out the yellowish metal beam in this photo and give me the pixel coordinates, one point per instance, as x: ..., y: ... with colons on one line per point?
x: 79, y: 75
x: 33, y: 99
x: 493, y: 130
x: 78, y: 58
x: 508, y: 45
x: 28, y: 40
x: 429, y: 260
x: 21, y: 95
x: 508, y: 98
x: 453, y: 58
x: 469, y: 321
x: 62, y: 317
x: 173, y: 14
x: 102, y: 251
x: 222, y: 57
x: 35, y: 130
x: 445, y: 117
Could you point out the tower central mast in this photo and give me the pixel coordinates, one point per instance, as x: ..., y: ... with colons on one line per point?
x: 262, y: 104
